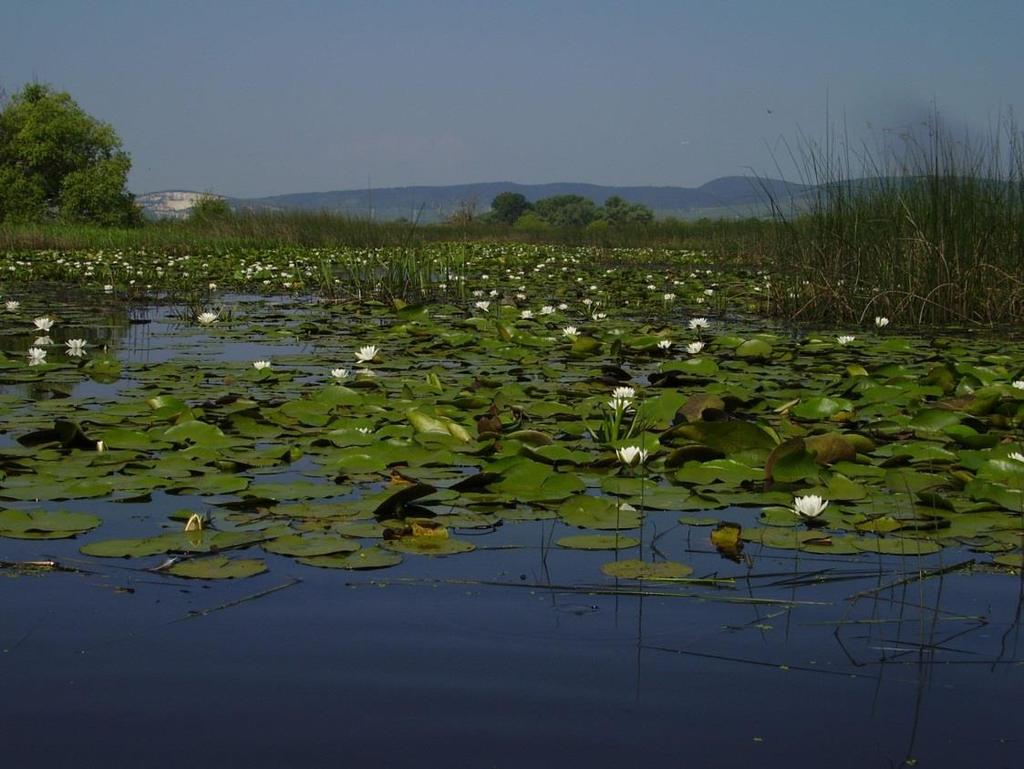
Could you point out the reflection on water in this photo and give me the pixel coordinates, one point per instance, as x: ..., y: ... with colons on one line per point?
x: 515, y: 657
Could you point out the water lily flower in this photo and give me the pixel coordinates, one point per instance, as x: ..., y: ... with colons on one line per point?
x: 11, y: 305
x: 624, y: 392
x: 482, y: 305
x: 76, y: 347
x: 206, y: 318
x: 694, y: 347
x: 108, y: 288
x: 571, y: 332
x: 845, y: 339
x: 618, y: 404
x: 526, y: 314
x: 367, y: 373
x: 339, y: 373
x: 367, y: 353
x: 698, y: 324
x: 212, y: 286
x: 563, y: 307
x: 664, y: 344
x: 809, y: 507
x: 36, y: 356
x: 631, y: 455
x: 42, y: 341
x: 1016, y: 456
x: 547, y: 310
x: 259, y: 365
x: 1019, y: 384
x: 668, y: 297
x: 43, y: 323
x: 881, y: 322
x: 364, y: 430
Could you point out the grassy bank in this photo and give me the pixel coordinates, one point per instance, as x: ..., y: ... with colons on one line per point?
x: 313, y: 229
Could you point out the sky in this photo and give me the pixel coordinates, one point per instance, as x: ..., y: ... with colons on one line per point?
x: 256, y: 98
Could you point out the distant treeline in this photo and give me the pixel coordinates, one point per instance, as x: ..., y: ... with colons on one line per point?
x: 214, y: 227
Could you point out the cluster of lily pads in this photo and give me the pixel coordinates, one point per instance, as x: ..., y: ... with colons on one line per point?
x: 599, y: 389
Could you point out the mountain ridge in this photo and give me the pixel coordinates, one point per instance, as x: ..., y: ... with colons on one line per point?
x: 725, y: 197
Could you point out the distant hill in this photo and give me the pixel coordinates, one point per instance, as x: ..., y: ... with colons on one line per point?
x: 726, y: 197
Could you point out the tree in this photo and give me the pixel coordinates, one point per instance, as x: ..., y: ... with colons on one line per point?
x: 618, y: 211
x: 507, y: 207
x: 56, y: 161
x: 566, y: 210
x: 210, y: 208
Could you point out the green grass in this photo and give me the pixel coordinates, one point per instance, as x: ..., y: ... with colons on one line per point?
x: 319, y: 229
x: 931, y: 233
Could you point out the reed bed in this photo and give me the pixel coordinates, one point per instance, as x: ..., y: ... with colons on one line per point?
x: 931, y: 231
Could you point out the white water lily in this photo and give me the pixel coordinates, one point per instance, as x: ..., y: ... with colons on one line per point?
x: 810, y: 506
x: 206, y: 318
x: 698, y: 324
x: 547, y: 310
x: 259, y: 365
x: 526, y: 314
x: 364, y: 430
x: 570, y: 331
x: 42, y: 341
x: 339, y: 373
x: 482, y: 305
x: 694, y: 347
x: 1016, y: 456
x: 664, y: 344
x: 631, y: 455
x: 367, y: 353
x: 76, y: 347
x: 43, y: 323
x: 1019, y: 384
x: 563, y: 307
x: 881, y: 322
x: 108, y: 288
x: 618, y: 404
x: 845, y: 339
x: 11, y: 305
x: 624, y: 392
x: 36, y: 356
x: 668, y: 297
x: 367, y: 373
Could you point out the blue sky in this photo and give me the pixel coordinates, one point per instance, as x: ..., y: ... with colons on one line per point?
x: 257, y: 98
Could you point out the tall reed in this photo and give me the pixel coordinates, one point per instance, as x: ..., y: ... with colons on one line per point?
x: 930, y: 230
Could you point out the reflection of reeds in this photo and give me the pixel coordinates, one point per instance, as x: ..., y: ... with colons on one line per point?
x: 928, y: 230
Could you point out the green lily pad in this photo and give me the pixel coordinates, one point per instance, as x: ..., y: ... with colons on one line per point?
x: 368, y: 558
x: 633, y: 569
x: 218, y: 567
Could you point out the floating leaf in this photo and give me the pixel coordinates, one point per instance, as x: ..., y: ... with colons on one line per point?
x: 664, y: 570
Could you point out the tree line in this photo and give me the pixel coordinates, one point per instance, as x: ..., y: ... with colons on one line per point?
x: 513, y: 208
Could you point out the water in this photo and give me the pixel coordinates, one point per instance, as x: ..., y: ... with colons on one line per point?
x: 514, y: 656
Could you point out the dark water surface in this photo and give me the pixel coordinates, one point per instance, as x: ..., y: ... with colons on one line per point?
x: 426, y: 665
x: 504, y: 658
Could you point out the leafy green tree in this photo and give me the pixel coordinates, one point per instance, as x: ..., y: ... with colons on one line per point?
x: 566, y: 210
x: 507, y: 207
x: 618, y: 211
x: 210, y: 208
x: 56, y: 161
